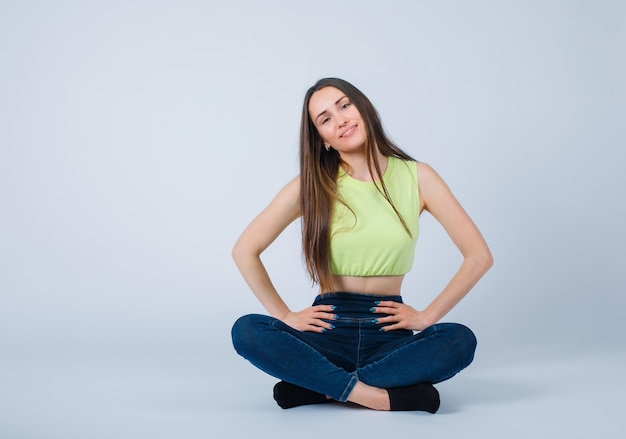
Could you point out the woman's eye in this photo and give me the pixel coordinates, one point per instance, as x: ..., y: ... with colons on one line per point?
x: 326, y: 119
x: 346, y: 105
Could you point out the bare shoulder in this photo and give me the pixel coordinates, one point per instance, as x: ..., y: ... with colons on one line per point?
x: 426, y: 173
x: 286, y: 203
x: 428, y: 178
x: 290, y: 193
x: 293, y: 186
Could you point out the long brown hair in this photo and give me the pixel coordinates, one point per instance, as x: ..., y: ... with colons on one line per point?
x: 318, y: 177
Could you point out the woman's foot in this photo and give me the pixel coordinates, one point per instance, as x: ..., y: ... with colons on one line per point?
x: 289, y: 395
x: 421, y: 396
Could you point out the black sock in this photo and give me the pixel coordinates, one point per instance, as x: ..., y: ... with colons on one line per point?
x: 289, y: 395
x: 421, y: 396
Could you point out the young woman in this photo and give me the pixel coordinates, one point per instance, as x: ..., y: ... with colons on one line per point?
x: 359, y: 198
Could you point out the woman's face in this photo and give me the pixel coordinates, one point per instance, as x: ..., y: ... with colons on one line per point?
x: 337, y: 120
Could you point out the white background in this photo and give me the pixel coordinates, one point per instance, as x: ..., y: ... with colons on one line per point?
x: 138, y: 139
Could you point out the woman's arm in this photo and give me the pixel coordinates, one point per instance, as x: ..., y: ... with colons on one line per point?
x: 259, y: 235
x: 437, y: 199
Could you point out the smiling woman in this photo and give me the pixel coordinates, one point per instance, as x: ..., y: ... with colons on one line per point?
x: 339, y: 123
x: 360, y: 198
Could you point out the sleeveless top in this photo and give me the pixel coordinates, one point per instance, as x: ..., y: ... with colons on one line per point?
x: 368, y: 239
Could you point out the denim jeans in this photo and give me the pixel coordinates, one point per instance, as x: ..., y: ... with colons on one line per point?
x: 332, y: 362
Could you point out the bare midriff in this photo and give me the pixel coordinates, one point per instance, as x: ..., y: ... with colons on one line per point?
x: 380, y: 285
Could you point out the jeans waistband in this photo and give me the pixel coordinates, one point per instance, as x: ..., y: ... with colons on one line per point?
x: 353, y: 305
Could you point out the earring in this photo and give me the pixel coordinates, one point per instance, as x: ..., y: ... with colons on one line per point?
x: 327, y: 147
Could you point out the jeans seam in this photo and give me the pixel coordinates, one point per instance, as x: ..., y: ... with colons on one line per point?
x: 349, y: 387
x: 358, y: 348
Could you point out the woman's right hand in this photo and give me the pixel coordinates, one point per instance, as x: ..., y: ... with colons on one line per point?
x: 311, y: 318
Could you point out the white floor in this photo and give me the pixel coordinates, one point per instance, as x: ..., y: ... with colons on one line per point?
x: 188, y: 392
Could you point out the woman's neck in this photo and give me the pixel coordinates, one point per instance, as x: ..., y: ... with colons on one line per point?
x: 356, y: 166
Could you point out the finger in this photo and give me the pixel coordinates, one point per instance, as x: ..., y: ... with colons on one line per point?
x: 392, y: 327
x: 327, y: 308
x: 325, y: 315
x: 383, y: 320
x: 388, y: 304
x: 311, y: 325
x: 384, y: 310
x: 312, y: 328
x: 321, y: 326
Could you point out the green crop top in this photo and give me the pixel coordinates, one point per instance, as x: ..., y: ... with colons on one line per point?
x: 370, y: 240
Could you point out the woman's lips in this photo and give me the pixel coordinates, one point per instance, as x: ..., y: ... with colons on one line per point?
x: 348, y: 132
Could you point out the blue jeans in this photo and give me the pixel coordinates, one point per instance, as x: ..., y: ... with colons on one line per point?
x: 332, y: 362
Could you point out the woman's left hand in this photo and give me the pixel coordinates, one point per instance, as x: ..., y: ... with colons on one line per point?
x: 400, y: 316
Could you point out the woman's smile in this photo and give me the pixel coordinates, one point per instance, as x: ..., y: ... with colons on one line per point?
x: 349, y: 131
